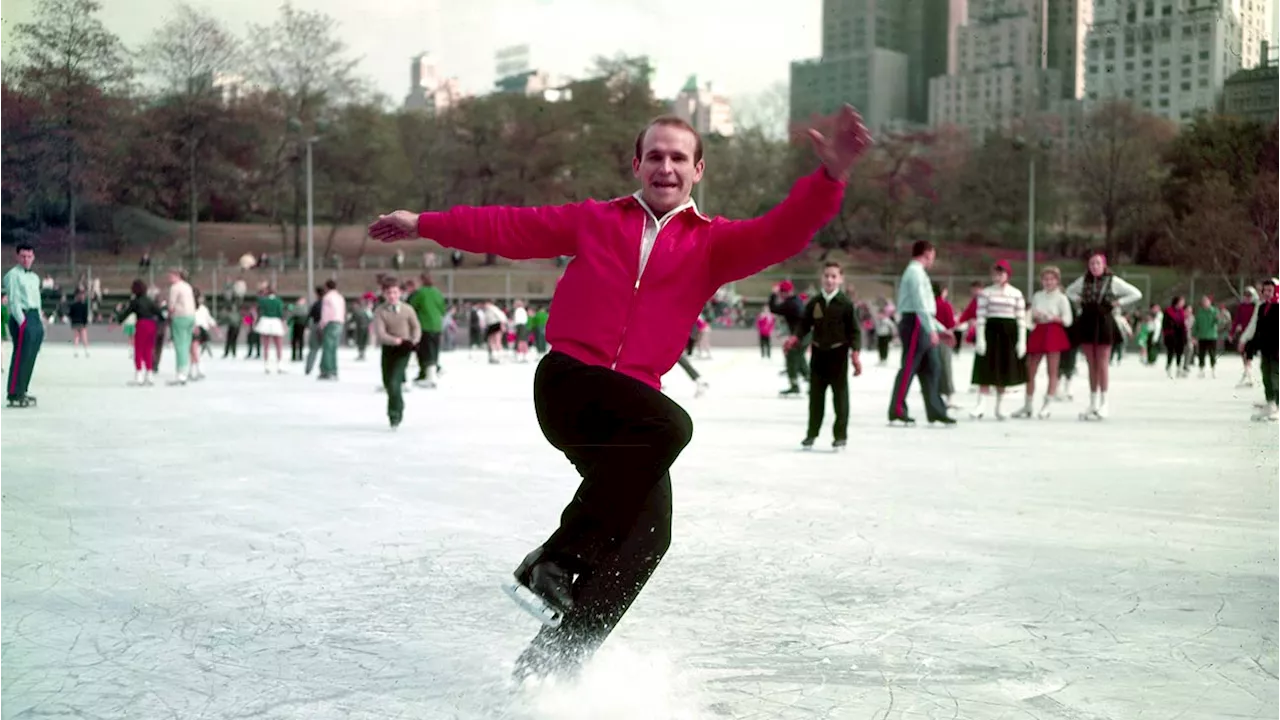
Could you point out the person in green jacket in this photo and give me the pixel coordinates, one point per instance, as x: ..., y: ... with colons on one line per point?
x: 538, y: 326
x: 429, y: 304
x: 1204, y: 328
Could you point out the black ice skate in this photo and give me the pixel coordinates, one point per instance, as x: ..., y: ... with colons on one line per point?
x: 906, y: 420
x: 807, y: 443
x: 22, y: 401
x: 793, y: 391
x: 542, y: 588
x: 839, y: 445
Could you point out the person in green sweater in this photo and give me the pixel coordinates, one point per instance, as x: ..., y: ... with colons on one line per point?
x: 270, y: 327
x: 429, y: 304
x: 1204, y: 328
x: 538, y: 326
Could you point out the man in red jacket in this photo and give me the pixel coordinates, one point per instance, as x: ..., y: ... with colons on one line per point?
x: 643, y: 267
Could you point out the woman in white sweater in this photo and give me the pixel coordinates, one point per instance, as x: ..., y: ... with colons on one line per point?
x: 1001, y: 341
x: 1050, y: 316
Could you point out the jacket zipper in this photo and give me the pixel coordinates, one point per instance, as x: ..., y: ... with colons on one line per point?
x: 635, y: 291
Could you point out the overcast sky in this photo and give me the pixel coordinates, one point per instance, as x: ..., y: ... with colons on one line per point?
x: 741, y: 46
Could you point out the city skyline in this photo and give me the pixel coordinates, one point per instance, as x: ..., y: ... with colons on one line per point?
x: 462, y: 38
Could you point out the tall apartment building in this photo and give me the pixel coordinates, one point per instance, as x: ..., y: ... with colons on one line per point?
x: 1003, y: 72
x: 1169, y: 57
x: 428, y: 89
x: 877, y: 55
x: 702, y: 108
x: 1255, y: 18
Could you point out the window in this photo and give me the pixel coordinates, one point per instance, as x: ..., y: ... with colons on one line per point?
x: 1146, y: 77
x: 1164, y: 89
x: 1164, y: 74
x: 1093, y: 69
x: 1164, y: 102
x: 1186, y: 58
x: 1128, y: 67
x: 1186, y: 72
x: 1186, y: 86
x: 1111, y: 68
x: 1204, y: 82
x: 1164, y: 62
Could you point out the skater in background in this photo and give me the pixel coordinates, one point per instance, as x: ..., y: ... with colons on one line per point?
x: 78, y: 314
x: 920, y: 333
x: 161, y: 325
x: 204, y: 323
x: 4, y: 325
x: 398, y: 333
x: 1204, y: 328
x: 361, y: 321
x: 1174, y: 328
x: 1001, y: 347
x: 784, y: 304
x: 520, y: 319
x: 946, y: 318
x: 765, y: 323
x: 831, y: 319
x: 1101, y: 295
x: 26, y: 324
x: 270, y: 328
x: 966, y: 325
x: 333, y: 316
x: 1244, y: 313
x: 232, y: 319
x: 428, y: 302
x: 1262, y: 335
x: 538, y: 326
x: 596, y: 394
x: 1152, y: 333
x: 704, y: 337
x: 182, y: 323
x: 315, y: 331
x: 1050, y: 316
x: 252, y: 340
x: 700, y: 386
x: 495, y: 321
x: 886, y: 326
x: 147, y: 318
x: 297, y: 321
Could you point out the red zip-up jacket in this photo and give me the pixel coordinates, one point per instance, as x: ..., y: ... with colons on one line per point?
x: 605, y: 311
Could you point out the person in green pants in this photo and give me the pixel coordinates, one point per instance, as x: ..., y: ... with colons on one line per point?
x: 538, y: 326
x: 25, y: 323
x: 399, y: 333
x: 429, y: 304
x: 182, y: 322
x: 333, y: 317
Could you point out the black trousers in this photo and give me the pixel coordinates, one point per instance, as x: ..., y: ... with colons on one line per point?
x: 688, y: 367
x: 766, y: 346
x: 233, y: 335
x: 883, y: 343
x: 1207, y: 348
x: 829, y: 369
x: 622, y: 436
x: 428, y: 353
x: 919, y: 358
x: 1176, y: 346
x: 297, y: 341
x: 395, y: 358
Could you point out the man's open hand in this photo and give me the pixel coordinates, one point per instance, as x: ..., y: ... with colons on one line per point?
x: 849, y: 140
x: 399, y: 225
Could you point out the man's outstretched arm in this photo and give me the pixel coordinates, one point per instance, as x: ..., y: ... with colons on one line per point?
x: 745, y: 247
x: 518, y: 233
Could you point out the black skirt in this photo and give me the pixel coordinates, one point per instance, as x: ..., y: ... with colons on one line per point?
x: 1000, y: 366
x: 1094, y: 326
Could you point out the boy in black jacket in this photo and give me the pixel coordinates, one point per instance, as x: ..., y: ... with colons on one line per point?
x: 830, y: 317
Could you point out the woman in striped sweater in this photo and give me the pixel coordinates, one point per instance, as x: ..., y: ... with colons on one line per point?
x: 1001, y: 341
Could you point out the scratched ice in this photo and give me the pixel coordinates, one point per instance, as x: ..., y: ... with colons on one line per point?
x: 262, y: 546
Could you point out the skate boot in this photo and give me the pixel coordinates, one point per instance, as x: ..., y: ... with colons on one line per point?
x: 807, y: 443
x: 793, y: 391
x: 395, y: 420
x: 839, y: 445
x: 1024, y: 412
x: 1045, y: 410
x: 906, y: 420
x: 1271, y: 413
x: 139, y: 379
x: 701, y: 389
x: 542, y: 588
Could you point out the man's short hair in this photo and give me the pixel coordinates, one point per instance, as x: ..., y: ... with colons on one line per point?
x: 389, y: 282
x: 23, y: 246
x: 832, y: 264
x: 671, y: 121
x: 920, y: 247
x: 331, y: 284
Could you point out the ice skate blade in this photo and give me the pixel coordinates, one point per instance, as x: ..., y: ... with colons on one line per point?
x: 534, y: 605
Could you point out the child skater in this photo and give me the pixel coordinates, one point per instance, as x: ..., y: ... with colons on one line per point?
x: 836, y: 336
x: 399, y: 332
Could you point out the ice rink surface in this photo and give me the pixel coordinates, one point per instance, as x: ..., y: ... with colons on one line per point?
x: 258, y: 546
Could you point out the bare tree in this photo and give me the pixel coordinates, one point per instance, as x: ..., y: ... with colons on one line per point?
x: 1118, y: 167
x: 767, y: 111
x: 72, y: 65
x: 303, y: 63
x: 187, y: 54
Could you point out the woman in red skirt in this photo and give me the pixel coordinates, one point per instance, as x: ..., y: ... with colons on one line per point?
x: 1051, y: 316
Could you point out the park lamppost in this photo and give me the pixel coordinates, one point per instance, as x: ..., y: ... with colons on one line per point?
x: 296, y: 126
x: 1020, y: 143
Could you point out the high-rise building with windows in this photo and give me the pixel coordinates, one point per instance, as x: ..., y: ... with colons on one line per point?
x: 877, y: 55
x: 1003, y: 73
x: 702, y: 108
x: 1169, y: 57
x: 428, y: 89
